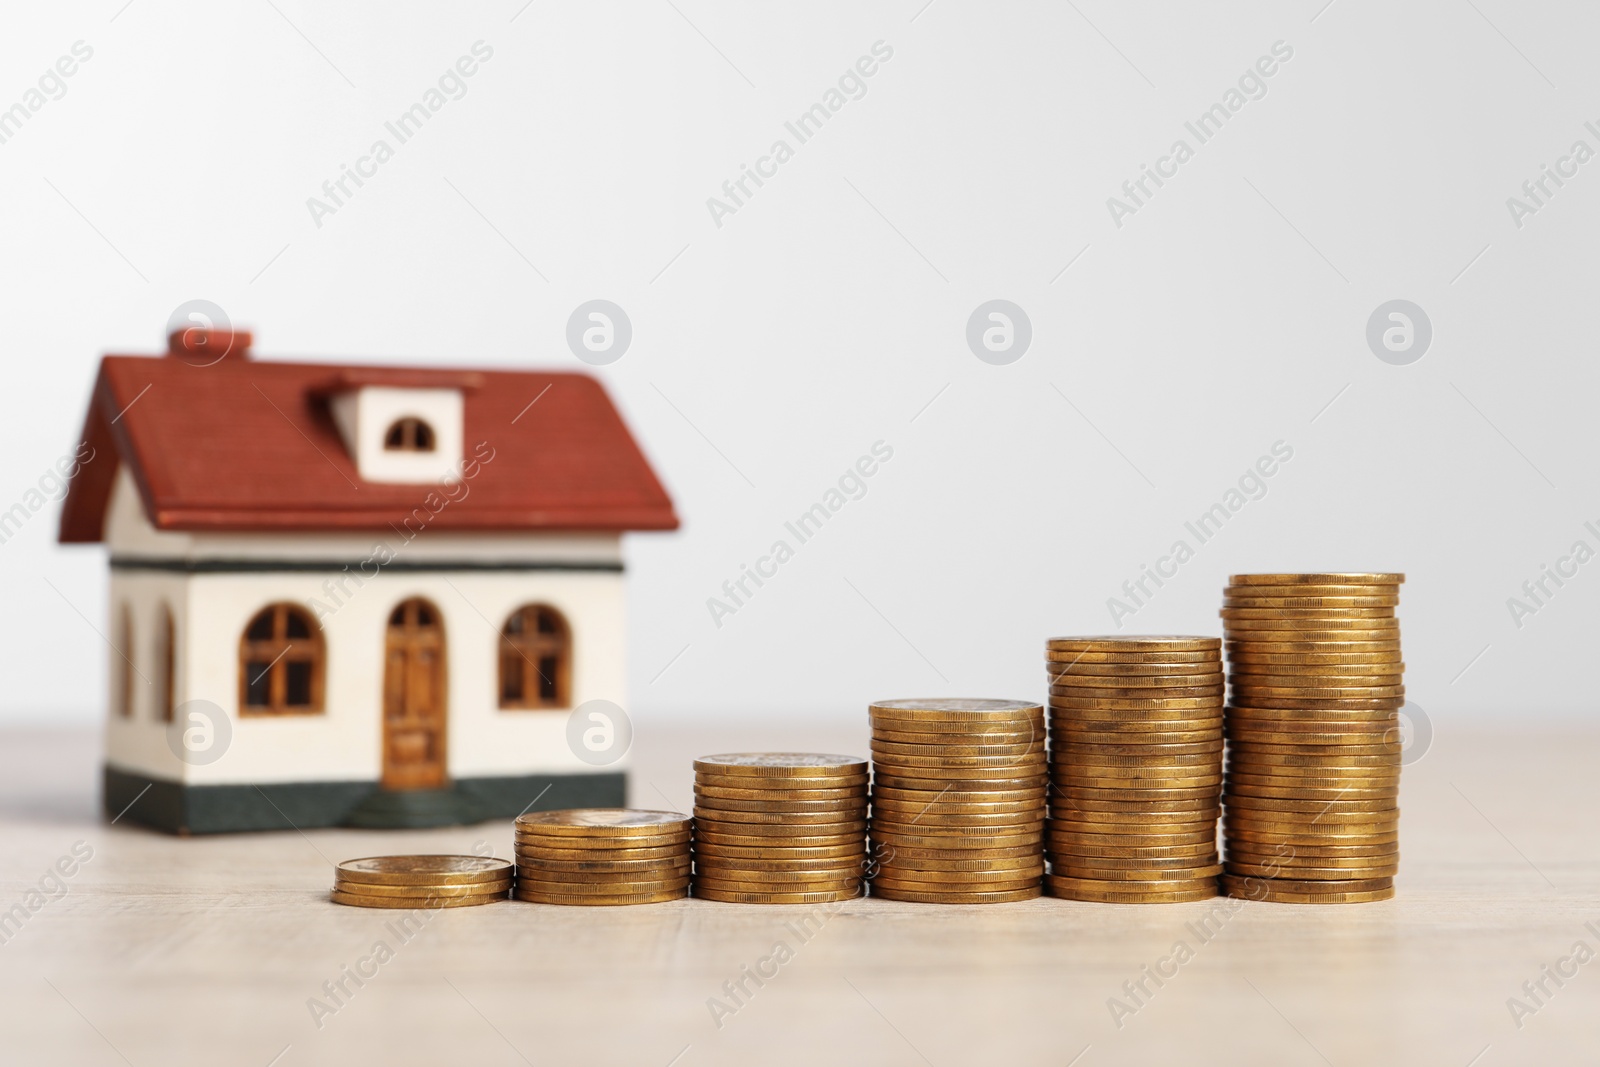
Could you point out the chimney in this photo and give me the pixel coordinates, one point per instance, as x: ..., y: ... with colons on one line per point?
x: 201, y: 346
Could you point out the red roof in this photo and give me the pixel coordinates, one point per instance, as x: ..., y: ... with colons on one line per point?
x: 246, y: 445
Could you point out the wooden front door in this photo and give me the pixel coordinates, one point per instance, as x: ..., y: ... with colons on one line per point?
x: 414, y: 698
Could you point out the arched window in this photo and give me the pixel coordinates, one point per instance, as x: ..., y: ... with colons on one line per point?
x: 409, y: 434
x: 122, y: 674
x: 535, y: 659
x: 167, y: 682
x: 281, y: 659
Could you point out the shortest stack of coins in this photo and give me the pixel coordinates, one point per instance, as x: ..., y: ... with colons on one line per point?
x: 421, y: 881
x: 1135, y: 768
x: 779, y: 827
x: 1315, y: 687
x: 599, y: 856
x: 957, y: 800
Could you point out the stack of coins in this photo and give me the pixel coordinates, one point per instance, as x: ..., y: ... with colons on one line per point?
x: 1315, y: 684
x: 779, y: 827
x: 602, y: 856
x: 421, y: 881
x: 1135, y: 768
x: 958, y: 791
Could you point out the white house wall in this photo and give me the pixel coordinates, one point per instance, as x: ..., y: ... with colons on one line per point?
x: 344, y: 742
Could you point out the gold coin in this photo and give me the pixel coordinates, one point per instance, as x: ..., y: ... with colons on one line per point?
x: 470, y: 889
x: 1233, y: 613
x: 1317, y: 852
x: 896, y: 839
x: 1072, y: 747
x: 1244, y: 668
x: 886, y: 853
x: 741, y: 897
x: 1064, y: 861
x: 1249, y: 656
x: 1296, y: 645
x: 957, y: 884
x: 1259, y: 889
x: 602, y: 822
x: 616, y: 887
x: 1316, y: 589
x: 1149, y: 886
x: 957, y: 824
x: 1132, y: 709
x: 666, y: 853
x: 1247, y: 688
x: 1132, y: 853
x: 1299, y: 731
x: 1313, y: 874
x: 1324, y: 578
x: 1314, y: 602
x: 917, y: 897
x: 780, y: 795
x: 781, y: 764
x: 1377, y: 748
x: 1339, y: 766
x: 1137, y: 684
x: 1034, y: 755
x: 1070, y: 834
x: 1267, y: 865
x: 964, y: 749
x: 1305, y: 807
x: 1095, y: 756
x: 1269, y: 718
x: 795, y: 807
x: 1140, y: 733
x: 1158, y: 773
x: 854, y: 838
x: 957, y: 796
x: 999, y: 744
x: 788, y: 871
x: 1129, y: 673
x: 1280, y: 682
x: 1278, y: 627
x: 1151, y: 643
x: 884, y: 806
x: 1033, y: 815
x: 597, y: 901
x: 1204, y: 890
x: 537, y: 862
x: 953, y: 709
x: 1293, y: 793
x: 1297, y: 838
x: 1070, y: 826
x: 740, y: 885
x: 820, y: 815
x: 1128, y: 696
x: 711, y: 850
x: 595, y: 882
x: 423, y: 870
x: 366, y: 900
x: 1330, y: 885
x: 1088, y: 793
x: 942, y: 729
x: 986, y: 864
x: 1295, y: 822
x: 1356, y: 786
x: 1067, y: 829
x: 961, y: 779
x: 1134, y: 879
x: 598, y: 847
x: 1125, y: 807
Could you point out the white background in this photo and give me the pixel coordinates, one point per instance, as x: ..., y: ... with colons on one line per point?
x: 830, y: 311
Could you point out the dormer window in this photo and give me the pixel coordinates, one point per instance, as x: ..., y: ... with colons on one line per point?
x: 409, y: 434
x: 400, y: 434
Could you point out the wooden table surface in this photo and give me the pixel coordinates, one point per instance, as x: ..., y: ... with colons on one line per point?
x: 207, y: 951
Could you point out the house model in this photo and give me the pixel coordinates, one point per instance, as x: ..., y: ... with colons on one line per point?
x: 354, y: 595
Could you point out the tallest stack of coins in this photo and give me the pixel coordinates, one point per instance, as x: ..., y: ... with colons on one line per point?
x: 1313, y: 777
